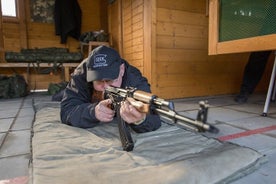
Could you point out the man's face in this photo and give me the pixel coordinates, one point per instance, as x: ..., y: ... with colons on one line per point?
x: 101, y: 85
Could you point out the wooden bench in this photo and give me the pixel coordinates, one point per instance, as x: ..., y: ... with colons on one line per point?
x: 65, y: 67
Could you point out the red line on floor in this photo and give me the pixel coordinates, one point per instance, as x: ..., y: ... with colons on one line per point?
x: 247, y: 133
x: 17, y: 180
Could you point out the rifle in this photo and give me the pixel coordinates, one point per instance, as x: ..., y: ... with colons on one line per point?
x: 144, y: 102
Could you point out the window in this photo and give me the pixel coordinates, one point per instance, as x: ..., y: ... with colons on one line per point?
x: 9, y: 8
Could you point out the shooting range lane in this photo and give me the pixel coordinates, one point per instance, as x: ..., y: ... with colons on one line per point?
x: 242, y: 124
x: 239, y: 124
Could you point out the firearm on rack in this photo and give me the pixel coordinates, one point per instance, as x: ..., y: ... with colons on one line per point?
x: 146, y: 102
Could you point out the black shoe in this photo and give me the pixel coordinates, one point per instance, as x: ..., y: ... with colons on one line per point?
x: 241, y: 98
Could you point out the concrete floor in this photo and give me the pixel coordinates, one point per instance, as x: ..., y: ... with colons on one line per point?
x: 240, y: 124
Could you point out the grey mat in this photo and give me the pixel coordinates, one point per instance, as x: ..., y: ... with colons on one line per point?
x: 64, y: 154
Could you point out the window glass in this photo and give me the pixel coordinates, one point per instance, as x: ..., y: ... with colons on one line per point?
x: 8, y: 8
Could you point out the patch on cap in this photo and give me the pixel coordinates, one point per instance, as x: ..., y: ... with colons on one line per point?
x: 100, y: 61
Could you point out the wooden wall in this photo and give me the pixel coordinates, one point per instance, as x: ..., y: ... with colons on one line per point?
x: 132, y: 21
x: 133, y: 35
x: 183, y: 67
x: 40, y: 35
x: 168, y: 42
x: 115, y: 25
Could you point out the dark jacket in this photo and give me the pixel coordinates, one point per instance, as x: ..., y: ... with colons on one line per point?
x: 67, y: 15
x: 77, y: 109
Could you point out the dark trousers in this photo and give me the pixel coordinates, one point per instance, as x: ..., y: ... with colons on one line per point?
x: 254, y: 70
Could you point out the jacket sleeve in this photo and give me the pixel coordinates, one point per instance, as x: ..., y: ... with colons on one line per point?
x: 76, y: 108
x: 135, y: 79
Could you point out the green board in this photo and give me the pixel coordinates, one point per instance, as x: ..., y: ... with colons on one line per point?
x: 240, y: 19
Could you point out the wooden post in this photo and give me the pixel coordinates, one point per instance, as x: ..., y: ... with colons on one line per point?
x: 22, y: 24
x: 1, y: 37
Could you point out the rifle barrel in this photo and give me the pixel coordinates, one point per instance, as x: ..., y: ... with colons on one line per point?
x: 193, y: 124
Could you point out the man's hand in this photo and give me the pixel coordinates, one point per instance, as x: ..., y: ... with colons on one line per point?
x: 130, y: 114
x: 103, y: 112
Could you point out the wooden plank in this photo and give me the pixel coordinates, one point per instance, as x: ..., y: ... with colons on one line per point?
x: 180, y: 55
x: 1, y: 38
x: 134, y: 56
x: 127, y: 14
x: 137, y: 18
x: 150, y: 45
x: 181, y: 42
x: 137, y: 26
x: 193, y: 81
x: 137, y: 63
x: 11, y: 44
x: 258, y: 43
x: 91, y: 15
x: 35, y: 30
x: 138, y: 33
x: 136, y: 4
x: 126, y: 4
x: 43, y: 81
x: 11, y: 30
x: 198, y: 6
x: 181, y: 17
x: 138, y: 56
x: 138, y: 47
x: 116, y: 20
x: 138, y: 40
x: 187, y: 67
x: 127, y: 30
x: 22, y: 24
x: 165, y: 28
x: 197, y: 89
x: 138, y: 9
x: 172, y: 29
x: 213, y: 27
x: 128, y: 43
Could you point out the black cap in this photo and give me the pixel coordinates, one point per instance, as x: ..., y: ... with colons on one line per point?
x: 103, y: 63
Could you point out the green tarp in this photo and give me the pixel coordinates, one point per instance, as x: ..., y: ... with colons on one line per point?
x: 44, y: 55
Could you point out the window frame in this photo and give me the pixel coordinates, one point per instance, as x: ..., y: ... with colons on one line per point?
x: 6, y: 18
x: 258, y: 43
